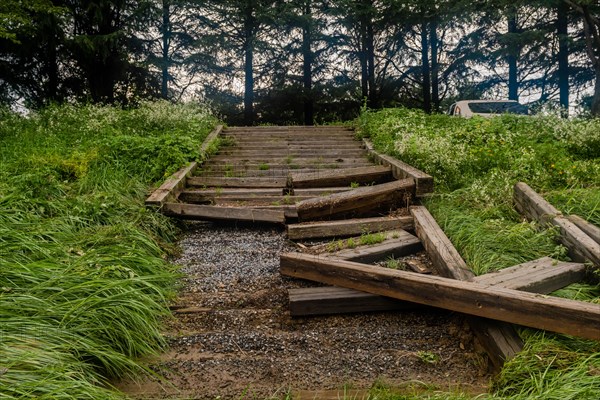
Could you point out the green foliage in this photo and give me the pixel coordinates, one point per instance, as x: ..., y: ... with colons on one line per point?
x: 83, y: 278
x: 475, y: 164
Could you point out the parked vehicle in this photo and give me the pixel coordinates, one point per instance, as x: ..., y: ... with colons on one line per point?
x: 486, y: 108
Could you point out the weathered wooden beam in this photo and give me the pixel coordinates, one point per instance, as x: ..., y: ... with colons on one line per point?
x: 341, y: 203
x: 501, y: 342
x: 401, y: 170
x: 542, y: 312
x: 169, y: 190
x: 188, y: 196
x: 542, y: 276
x: 444, y: 256
x: 533, y: 206
x: 335, y: 300
x: 224, y: 182
x: 213, y: 213
x: 590, y: 229
x: 403, y: 245
x: 349, y: 227
x: 341, y: 177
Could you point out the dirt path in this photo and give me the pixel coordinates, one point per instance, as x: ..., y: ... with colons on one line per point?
x: 233, y: 337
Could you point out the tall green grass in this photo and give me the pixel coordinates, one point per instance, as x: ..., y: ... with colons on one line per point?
x: 84, y: 281
x: 475, y: 164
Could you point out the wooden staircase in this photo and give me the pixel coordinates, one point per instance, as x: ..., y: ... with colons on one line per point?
x: 286, y: 174
x: 323, y: 182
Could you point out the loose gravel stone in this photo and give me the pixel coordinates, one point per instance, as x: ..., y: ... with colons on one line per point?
x: 236, y: 337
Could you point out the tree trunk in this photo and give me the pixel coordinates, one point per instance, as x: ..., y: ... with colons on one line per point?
x: 249, y: 27
x: 596, y: 99
x: 426, y: 72
x: 307, y: 65
x: 562, y: 30
x: 513, y: 75
x: 166, y: 36
x: 435, y: 78
x: 364, y: 69
x: 371, y: 63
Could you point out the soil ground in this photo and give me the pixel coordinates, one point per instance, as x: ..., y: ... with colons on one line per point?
x: 232, y: 336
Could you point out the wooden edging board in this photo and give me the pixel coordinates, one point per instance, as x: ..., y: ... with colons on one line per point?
x: 542, y: 276
x: 536, y: 311
x: 581, y: 247
x: 169, y: 189
x: 401, y: 170
x: 501, y: 341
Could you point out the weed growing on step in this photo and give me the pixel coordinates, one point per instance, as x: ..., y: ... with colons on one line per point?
x: 369, y: 239
x: 83, y: 279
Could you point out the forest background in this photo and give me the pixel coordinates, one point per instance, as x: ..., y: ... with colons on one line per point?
x: 301, y: 61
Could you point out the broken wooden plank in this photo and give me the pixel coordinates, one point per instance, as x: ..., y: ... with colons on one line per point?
x: 401, y: 246
x: 501, y: 342
x: 542, y: 276
x: 341, y: 203
x: 341, y: 177
x: 349, y: 227
x: 590, y: 229
x: 225, y: 182
x: 536, y: 311
x: 213, y: 213
x: 402, y: 170
x: 533, y: 206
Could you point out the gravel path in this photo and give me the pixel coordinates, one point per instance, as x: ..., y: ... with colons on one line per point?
x: 233, y: 337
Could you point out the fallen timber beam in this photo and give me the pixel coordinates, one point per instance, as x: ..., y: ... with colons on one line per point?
x: 401, y: 170
x: 542, y: 276
x: 169, y: 190
x: 536, y: 311
x: 348, y: 227
x: 533, y: 206
x: 214, y: 213
x: 501, y: 341
x: 342, y: 177
x: 590, y: 229
x: 401, y: 246
x: 357, y: 199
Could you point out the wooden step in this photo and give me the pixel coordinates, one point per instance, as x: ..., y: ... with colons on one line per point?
x: 194, y: 197
x: 200, y: 181
x: 313, y: 153
x: 569, y: 317
x: 214, y: 213
x: 348, y: 227
x: 543, y: 276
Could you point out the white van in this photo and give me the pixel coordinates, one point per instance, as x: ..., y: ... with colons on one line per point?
x: 486, y: 108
